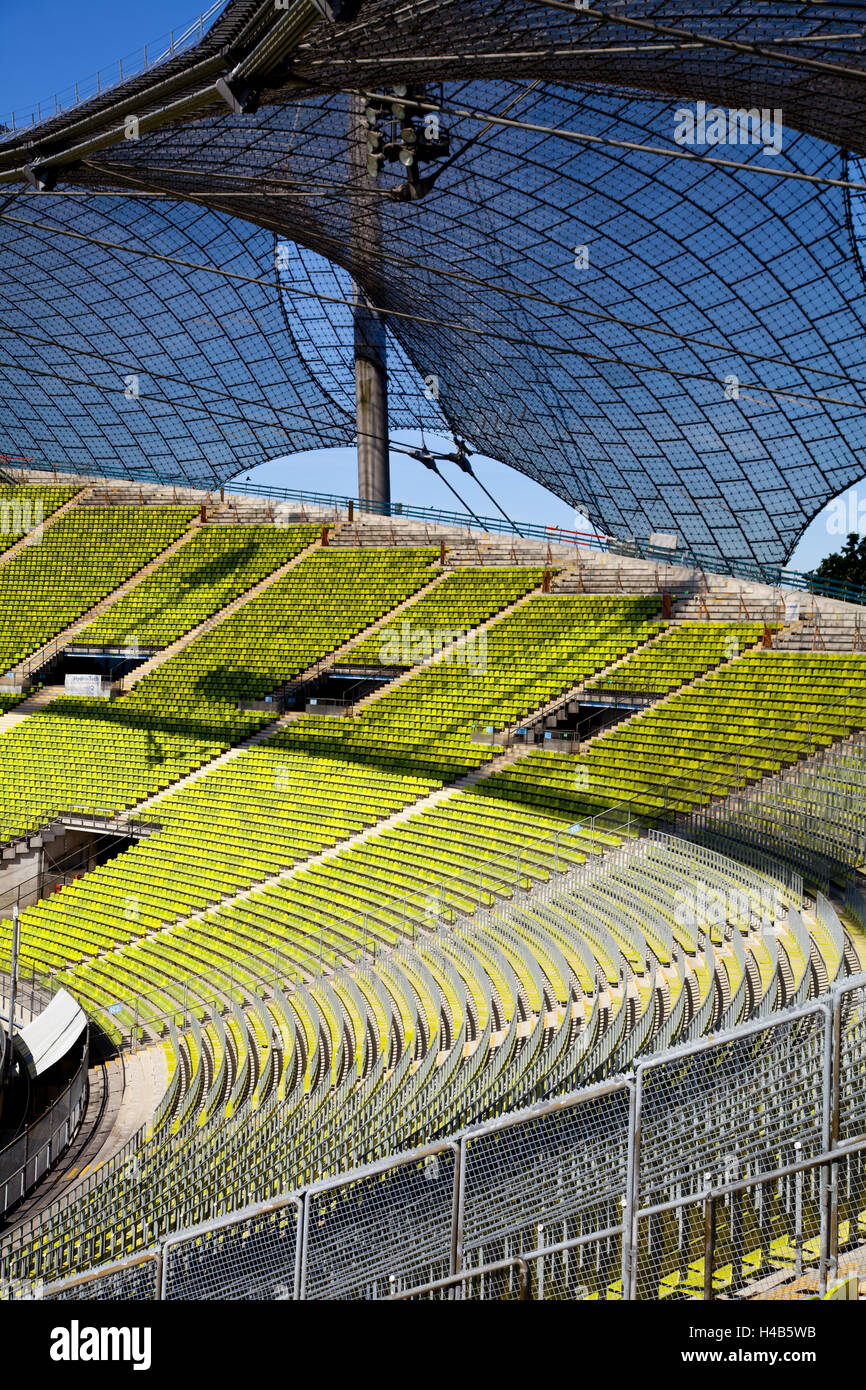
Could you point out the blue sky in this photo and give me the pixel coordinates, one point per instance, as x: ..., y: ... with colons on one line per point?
x: 48, y: 45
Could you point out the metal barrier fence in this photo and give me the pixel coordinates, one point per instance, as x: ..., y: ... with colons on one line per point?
x: 28, y: 1158
x: 688, y: 559
x: 813, y: 815
x: 734, y: 1164
x: 30, y: 998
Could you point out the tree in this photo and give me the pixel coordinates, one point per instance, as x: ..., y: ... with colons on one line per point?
x: 847, y: 565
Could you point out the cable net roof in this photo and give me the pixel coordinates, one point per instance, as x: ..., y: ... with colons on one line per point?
x: 669, y: 343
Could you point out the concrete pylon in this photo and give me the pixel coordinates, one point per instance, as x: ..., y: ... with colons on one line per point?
x: 371, y: 407
x: 370, y: 347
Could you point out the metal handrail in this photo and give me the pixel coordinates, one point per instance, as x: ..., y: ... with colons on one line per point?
x: 69, y: 1110
x: 192, y: 34
x: 517, y: 1262
x: 774, y: 576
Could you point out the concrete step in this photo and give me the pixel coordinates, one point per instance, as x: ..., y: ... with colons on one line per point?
x: 49, y: 649
x: 39, y: 701
x: 133, y: 677
x: 586, y: 570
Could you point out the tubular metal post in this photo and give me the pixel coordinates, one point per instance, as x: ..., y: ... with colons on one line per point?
x: 709, y: 1244
x: 833, y: 1220
x: 458, y: 1209
x: 736, y: 1219
x: 798, y: 1212
x: 834, y: 1118
x: 13, y: 983
x: 631, y: 1231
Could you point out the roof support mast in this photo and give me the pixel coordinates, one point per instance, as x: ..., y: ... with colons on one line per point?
x: 371, y: 361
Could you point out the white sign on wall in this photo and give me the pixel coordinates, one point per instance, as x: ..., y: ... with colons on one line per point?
x: 87, y: 686
x: 663, y: 540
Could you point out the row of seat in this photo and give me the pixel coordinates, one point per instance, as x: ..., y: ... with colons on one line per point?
x: 460, y: 602
x: 732, y: 727
x: 816, y: 816
x: 301, y: 1083
x: 315, y: 791
x: 24, y: 508
x: 79, y: 559
x: 319, y: 781
x: 216, y: 566
x: 684, y: 651
x: 82, y: 753
x: 327, y: 599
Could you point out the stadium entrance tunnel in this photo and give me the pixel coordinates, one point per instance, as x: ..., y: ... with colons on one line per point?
x: 93, y: 666
x: 65, y: 849
x: 33, y: 1083
x: 566, y: 728
x: 332, y: 692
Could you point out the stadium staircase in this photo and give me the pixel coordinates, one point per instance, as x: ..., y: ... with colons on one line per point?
x: 427, y: 935
x: 40, y: 699
x: 207, y: 624
x: 50, y: 517
x: 45, y: 654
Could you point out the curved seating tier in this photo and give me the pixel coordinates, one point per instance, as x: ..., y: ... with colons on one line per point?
x: 335, y: 972
x: 530, y: 1001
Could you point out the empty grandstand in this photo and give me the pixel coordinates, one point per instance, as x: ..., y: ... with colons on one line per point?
x: 399, y: 904
x: 347, y: 904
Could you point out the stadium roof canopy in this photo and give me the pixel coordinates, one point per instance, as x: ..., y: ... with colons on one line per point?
x: 662, y: 322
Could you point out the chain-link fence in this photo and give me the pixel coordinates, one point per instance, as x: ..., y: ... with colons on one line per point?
x: 391, y: 1223
x: 552, y: 1175
x: 256, y: 1257
x: 136, y: 1279
x: 728, y: 1168
x: 738, y: 1106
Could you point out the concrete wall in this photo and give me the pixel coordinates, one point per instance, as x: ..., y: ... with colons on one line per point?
x: 31, y: 875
